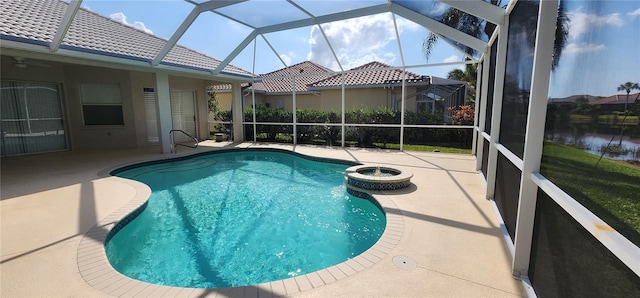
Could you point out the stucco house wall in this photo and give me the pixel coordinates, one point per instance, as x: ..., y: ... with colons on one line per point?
x: 331, y: 99
x: 132, y: 83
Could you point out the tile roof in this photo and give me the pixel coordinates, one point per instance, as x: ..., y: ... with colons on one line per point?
x: 276, y: 81
x: 573, y: 98
x: 378, y: 76
x: 36, y: 22
x: 616, y: 99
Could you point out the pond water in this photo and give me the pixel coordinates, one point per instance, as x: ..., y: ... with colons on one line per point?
x: 627, y: 149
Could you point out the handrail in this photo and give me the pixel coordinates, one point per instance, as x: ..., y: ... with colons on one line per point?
x: 174, y: 150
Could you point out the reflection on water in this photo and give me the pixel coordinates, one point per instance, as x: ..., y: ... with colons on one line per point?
x: 596, y: 144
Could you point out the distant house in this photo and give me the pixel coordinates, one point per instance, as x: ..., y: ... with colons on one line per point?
x: 616, y: 102
x: 374, y: 84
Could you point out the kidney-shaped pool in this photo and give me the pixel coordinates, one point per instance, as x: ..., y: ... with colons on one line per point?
x: 241, y: 218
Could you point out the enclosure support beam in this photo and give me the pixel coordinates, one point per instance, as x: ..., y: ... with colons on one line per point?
x: 482, y: 119
x: 69, y: 15
x: 534, y: 136
x: 295, y: 119
x: 236, y: 103
x: 342, y: 128
x: 176, y: 36
x: 496, y: 109
x: 475, y: 132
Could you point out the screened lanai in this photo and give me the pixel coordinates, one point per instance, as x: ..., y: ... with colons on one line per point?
x: 559, y: 169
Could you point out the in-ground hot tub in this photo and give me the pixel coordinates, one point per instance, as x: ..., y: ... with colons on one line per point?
x: 370, y: 177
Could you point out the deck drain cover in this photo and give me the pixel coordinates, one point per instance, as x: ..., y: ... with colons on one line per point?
x: 404, y: 262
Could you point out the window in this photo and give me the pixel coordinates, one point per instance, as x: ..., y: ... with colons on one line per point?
x: 151, y: 114
x: 425, y: 103
x: 279, y: 103
x: 101, y: 104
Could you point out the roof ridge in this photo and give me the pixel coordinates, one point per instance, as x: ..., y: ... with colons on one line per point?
x: 285, y: 69
x: 384, y: 65
x: 378, y: 66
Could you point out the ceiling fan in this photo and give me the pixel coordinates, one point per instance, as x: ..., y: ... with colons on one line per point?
x: 22, y: 62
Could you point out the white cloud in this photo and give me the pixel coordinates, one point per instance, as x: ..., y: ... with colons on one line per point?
x: 580, y: 23
x: 120, y: 17
x: 436, y: 10
x: 351, y: 62
x: 356, y: 41
x: 287, y: 58
x: 584, y: 47
x: 404, y: 24
x: 452, y: 58
x: 634, y: 13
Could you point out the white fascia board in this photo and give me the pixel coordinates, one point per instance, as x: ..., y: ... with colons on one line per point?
x: 481, y: 9
x: 439, y: 28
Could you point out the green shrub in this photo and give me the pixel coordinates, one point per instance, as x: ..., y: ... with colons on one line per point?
x: 325, y: 132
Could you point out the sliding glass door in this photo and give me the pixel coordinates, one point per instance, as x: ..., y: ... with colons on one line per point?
x: 31, y: 118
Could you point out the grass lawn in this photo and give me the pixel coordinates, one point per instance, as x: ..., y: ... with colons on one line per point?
x: 611, y: 190
x: 425, y: 148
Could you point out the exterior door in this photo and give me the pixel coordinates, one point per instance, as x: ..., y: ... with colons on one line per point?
x: 31, y: 118
x: 183, y: 113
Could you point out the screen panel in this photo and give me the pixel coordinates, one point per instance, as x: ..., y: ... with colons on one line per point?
x: 507, y: 192
x: 567, y: 261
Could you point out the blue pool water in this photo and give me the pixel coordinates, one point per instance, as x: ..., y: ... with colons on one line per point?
x: 242, y: 218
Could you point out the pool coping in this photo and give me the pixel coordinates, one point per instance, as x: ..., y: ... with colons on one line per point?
x: 97, y: 272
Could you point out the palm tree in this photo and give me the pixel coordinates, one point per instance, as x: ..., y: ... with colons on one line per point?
x: 478, y: 27
x: 469, y: 75
x: 628, y: 86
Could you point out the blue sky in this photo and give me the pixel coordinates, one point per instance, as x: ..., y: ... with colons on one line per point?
x: 356, y: 41
x: 602, y: 50
x: 603, y: 39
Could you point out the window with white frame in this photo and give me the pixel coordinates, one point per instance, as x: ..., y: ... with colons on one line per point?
x: 101, y: 104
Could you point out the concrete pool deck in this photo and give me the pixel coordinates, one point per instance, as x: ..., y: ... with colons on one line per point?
x: 443, y: 223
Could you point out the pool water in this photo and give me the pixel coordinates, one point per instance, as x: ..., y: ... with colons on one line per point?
x: 242, y: 218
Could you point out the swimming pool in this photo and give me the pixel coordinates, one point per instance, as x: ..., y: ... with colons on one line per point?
x: 241, y: 218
